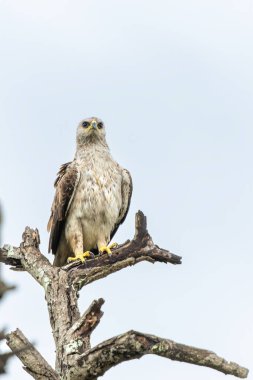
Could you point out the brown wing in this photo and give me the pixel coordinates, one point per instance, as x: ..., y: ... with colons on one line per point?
x: 126, y: 193
x: 65, y: 185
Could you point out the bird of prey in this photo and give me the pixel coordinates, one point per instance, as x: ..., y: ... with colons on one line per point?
x: 92, y: 198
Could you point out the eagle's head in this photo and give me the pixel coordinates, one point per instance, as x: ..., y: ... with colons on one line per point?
x: 90, y: 129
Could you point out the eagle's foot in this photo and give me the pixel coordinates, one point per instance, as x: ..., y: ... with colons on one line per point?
x: 107, y: 249
x: 104, y: 249
x: 81, y: 256
x: 113, y: 245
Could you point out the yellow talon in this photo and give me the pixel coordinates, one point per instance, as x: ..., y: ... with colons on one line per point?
x: 107, y: 249
x: 80, y: 256
x: 113, y: 245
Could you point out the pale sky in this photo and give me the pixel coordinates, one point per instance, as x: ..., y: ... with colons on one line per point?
x: 173, y: 82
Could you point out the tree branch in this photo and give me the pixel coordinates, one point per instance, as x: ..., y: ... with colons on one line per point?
x: 77, y: 339
x: 34, y: 363
x: 133, y: 345
x: 28, y: 257
x: 141, y: 248
x: 88, y: 321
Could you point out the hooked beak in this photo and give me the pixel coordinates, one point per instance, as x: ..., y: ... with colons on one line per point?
x: 94, y: 124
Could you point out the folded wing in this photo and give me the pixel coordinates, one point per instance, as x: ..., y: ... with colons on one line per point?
x: 126, y: 193
x: 65, y: 185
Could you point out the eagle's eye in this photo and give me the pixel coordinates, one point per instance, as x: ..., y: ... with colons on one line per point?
x: 85, y: 124
x: 100, y: 125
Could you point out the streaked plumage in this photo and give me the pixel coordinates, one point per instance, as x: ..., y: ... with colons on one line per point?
x: 92, y: 196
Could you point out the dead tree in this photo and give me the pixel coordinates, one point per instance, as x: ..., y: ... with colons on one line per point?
x: 75, y: 358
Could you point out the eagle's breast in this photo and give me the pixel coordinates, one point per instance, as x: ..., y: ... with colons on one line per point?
x: 98, y: 198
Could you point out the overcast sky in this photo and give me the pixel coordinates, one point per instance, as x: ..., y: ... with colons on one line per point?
x: 173, y: 82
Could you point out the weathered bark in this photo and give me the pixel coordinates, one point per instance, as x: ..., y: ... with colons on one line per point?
x: 34, y: 363
x: 133, y: 345
x: 75, y: 359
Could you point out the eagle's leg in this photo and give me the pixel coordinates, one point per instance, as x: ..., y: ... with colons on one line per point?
x: 76, y: 243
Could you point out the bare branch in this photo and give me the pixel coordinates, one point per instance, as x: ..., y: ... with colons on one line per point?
x: 88, y: 321
x: 34, y: 363
x: 28, y: 257
x: 133, y: 345
x: 141, y: 248
x: 77, y: 338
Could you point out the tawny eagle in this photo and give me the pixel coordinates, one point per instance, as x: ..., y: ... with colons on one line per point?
x: 92, y: 197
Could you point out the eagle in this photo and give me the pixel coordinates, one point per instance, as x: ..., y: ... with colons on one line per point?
x: 92, y: 198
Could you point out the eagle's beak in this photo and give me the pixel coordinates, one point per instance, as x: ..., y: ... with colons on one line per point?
x: 94, y: 124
